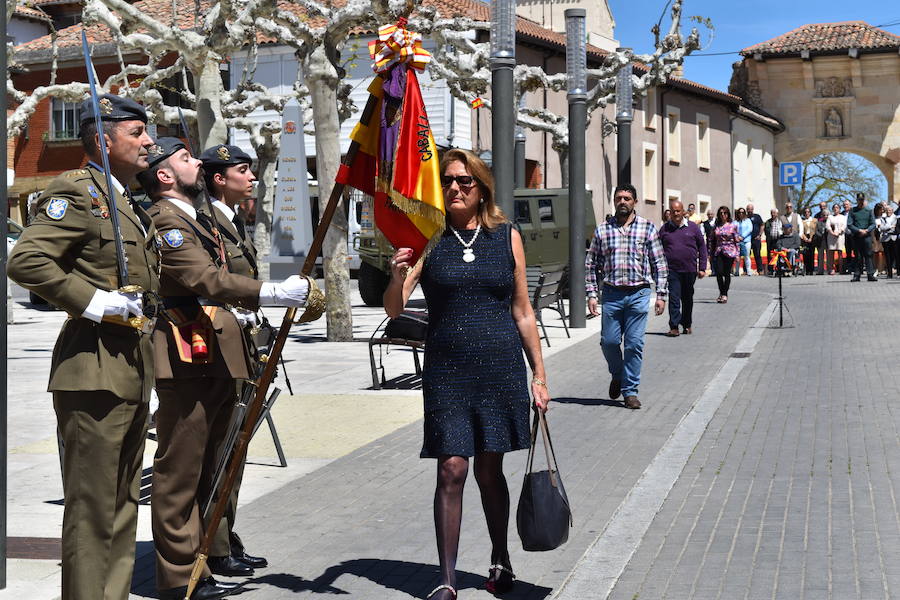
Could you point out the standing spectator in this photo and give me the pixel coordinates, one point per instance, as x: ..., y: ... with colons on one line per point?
x: 725, y: 249
x: 745, y: 228
x: 756, y: 237
x: 887, y: 226
x: 877, y: 246
x: 791, y: 217
x: 709, y: 229
x: 474, y: 383
x: 822, y: 250
x: 860, y: 226
x: 686, y: 256
x: 667, y: 216
x: 837, y: 225
x: 849, y: 242
x: 626, y: 255
x: 692, y: 215
x: 808, y: 241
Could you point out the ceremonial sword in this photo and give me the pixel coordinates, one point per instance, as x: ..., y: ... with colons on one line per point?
x: 125, y: 286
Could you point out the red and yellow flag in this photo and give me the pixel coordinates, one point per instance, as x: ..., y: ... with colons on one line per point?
x: 397, y: 162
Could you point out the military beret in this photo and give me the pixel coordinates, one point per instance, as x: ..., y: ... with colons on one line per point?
x: 113, y: 108
x: 224, y: 156
x: 163, y: 149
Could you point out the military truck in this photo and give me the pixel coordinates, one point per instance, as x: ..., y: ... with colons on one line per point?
x: 541, y: 216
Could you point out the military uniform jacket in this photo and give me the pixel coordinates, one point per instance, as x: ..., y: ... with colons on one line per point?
x: 68, y: 253
x: 189, y: 271
x: 240, y: 250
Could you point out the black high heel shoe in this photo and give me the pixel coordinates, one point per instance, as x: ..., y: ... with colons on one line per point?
x: 500, y: 579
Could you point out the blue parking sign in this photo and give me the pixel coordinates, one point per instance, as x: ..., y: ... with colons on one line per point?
x: 790, y: 173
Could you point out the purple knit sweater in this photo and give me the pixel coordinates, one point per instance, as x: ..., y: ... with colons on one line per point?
x: 684, y: 247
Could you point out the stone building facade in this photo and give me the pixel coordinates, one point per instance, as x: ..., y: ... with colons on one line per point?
x: 835, y: 88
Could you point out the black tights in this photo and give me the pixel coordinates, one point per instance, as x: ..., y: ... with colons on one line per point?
x: 448, y: 499
x: 723, y: 273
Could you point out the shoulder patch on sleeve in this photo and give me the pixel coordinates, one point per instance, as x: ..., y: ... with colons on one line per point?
x: 174, y: 238
x: 56, y: 208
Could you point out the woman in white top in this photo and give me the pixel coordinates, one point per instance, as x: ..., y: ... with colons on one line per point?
x: 837, y: 225
x: 887, y: 230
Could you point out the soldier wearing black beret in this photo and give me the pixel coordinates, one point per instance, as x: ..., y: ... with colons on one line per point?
x: 102, y: 368
x: 196, y: 379
x: 229, y: 181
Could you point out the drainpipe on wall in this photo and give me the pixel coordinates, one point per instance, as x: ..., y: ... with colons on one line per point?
x: 731, y: 160
x: 664, y: 159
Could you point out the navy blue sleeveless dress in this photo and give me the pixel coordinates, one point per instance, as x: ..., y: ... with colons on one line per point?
x: 474, y: 379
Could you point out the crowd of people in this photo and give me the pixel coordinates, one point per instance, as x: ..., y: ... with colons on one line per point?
x: 836, y: 239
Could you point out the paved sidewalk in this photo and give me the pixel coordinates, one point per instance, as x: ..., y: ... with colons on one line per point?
x: 773, y: 472
x: 333, y: 412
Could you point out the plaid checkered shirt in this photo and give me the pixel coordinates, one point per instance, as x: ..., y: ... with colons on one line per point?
x: 626, y: 257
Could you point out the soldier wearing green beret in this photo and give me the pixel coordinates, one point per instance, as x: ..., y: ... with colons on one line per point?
x: 199, y: 353
x: 229, y: 180
x: 102, y: 367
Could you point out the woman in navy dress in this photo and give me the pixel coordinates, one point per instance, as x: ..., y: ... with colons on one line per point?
x: 474, y: 381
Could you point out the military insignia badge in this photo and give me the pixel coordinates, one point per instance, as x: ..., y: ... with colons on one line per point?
x: 56, y: 208
x: 223, y: 153
x: 174, y: 238
x: 106, y: 106
x: 155, y: 150
x: 93, y: 192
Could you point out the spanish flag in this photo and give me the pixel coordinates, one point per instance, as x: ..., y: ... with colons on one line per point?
x: 397, y: 161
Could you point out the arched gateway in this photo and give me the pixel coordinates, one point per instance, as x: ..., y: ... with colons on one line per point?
x: 836, y: 88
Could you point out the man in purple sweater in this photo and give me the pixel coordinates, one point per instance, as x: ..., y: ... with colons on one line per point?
x: 686, y: 253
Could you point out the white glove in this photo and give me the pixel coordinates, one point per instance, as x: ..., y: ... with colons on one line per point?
x: 291, y: 292
x: 122, y: 305
x: 245, y: 318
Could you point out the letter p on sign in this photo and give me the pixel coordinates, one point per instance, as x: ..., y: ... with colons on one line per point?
x: 790, y: 173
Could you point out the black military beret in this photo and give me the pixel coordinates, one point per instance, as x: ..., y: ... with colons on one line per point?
x: 163, y: 149
x: 113, y: 108
x: 224, y: 156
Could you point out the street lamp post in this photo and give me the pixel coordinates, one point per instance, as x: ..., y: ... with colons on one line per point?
x: 520, y: 158
x: 576, y: 73
x: 503, y: 112
x: 624, y: 117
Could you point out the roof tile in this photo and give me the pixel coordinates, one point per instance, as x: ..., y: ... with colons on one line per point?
x: 827, y: 37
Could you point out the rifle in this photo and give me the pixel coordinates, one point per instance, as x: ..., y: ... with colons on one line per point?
x: 223, y: 256
x: 256, y: 408
x: 140, y: 323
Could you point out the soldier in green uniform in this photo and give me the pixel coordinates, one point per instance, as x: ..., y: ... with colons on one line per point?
x: 102, y: 367
x: 199, y: 352
x: 229, y: 180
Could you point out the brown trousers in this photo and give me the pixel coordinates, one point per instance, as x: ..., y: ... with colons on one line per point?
x: 191, y: 425
x: 103, y: 437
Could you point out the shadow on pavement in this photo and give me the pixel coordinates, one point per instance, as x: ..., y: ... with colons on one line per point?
x: 415, y: 579
x: 590, y: 402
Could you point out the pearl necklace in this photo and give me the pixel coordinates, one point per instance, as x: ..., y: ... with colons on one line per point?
x: 468, y: 253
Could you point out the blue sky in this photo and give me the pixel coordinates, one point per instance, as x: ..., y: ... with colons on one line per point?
x: 741, y: 24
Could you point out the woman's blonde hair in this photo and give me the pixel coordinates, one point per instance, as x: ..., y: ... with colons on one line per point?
x: 489, y: 214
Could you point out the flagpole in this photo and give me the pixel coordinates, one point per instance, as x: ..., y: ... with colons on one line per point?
x: 262, y: 384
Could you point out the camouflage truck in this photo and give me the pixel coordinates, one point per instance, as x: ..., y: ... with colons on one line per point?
x: 541, y: 216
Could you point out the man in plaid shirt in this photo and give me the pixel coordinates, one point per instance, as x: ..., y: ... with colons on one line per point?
x: 625, y: 256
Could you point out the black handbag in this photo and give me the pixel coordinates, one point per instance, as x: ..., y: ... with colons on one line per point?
x: 544, y: 515
x: 408, y: 325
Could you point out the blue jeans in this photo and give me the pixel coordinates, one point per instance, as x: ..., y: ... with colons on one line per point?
x: 624, y: 316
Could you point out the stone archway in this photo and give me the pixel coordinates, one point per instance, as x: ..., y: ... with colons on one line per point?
x: 834, y: 86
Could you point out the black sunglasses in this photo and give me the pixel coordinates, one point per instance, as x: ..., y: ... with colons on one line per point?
x: 462, y: 180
